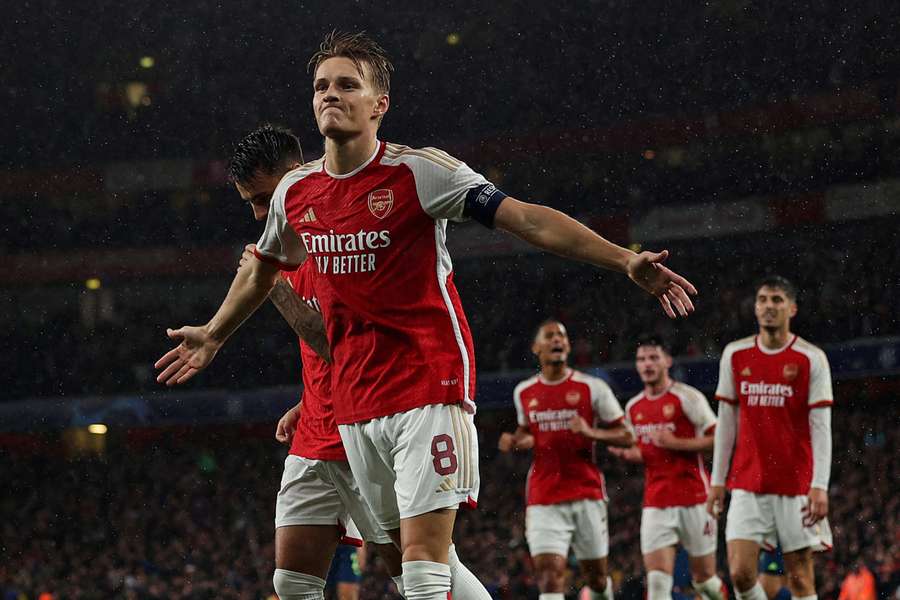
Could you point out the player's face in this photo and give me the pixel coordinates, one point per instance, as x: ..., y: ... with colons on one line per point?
x: 652, y: 363
x: 258, y: 193
x: 551, y: 344
x: 345, y: 102
x: 773, y: 308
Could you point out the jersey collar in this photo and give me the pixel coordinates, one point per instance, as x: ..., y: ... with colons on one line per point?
x: 558, y: 381
x: 765, y: 350
x: 357, y: 169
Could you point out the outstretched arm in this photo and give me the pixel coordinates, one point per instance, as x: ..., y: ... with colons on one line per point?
x: 198, y: 345
x: 556, y: 232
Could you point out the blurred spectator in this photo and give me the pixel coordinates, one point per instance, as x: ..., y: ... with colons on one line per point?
x: 858, y: 584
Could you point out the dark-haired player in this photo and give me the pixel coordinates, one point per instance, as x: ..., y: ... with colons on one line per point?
x: 372, y: 218
x: 673, y: 424
x: 773, y: 443
x: 558, y: 412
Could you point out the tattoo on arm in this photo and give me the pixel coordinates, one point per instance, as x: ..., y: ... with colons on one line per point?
x: 306, y: 322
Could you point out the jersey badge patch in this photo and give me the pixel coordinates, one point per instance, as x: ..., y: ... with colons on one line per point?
x: 573, y: 397
x: 668, y: 410
x: 790, y: 371
x: 745, y: 372
x: 381, y: 202
x: 533, y: 403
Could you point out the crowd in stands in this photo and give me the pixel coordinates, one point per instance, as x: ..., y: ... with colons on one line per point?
x: 82, y: 342
x: 461, y: 69
x: 192, y: 517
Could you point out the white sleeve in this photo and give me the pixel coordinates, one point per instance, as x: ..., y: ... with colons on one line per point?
x: 521, y: 417
x: 726, y: 432
x: 603, y: 402
x: 820, y: 393
x: 820, y: 435
x: 697, y: 410
x: 725, y: 389
x: 279, y: 243
x: 448, y: 188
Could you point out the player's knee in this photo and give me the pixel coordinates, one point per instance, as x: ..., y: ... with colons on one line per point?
x: 596, y: 580
x: 659, y: 585
x: 801, y: 583
x: 426, y: 580
x: 551, y: 578
x: 742, y: 577
x: 291, y: 585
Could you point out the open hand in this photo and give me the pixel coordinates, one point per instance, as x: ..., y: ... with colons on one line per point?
x: 195, y: 351
x: 647, y: 270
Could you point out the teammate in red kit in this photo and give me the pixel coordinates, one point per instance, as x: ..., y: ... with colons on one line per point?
x: 774, y: 431
x: 673, y: 425
x: 372, y: 216
x: 566, y: 496
x: 319, y: 497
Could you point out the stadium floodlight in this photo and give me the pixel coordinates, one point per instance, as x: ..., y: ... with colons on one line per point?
x: 97, y: 428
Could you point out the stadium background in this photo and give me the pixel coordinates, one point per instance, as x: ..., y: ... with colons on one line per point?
x: 747, y: 138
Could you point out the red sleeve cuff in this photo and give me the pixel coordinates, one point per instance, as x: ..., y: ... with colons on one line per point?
x: 614, y: 422
x: 731, y: 401
x: 821, y: 404
x: 275, y: 261
x: 709, y: 429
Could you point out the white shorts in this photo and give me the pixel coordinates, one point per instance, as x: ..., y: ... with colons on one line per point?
x: 582, y: 524
x: 689, y: 525
x: 770, y: 519
x: 414, y: 462
x: 323, y: 492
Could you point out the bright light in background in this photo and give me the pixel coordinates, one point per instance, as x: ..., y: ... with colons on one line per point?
x: 92, y: 284
x: 453, y: 39
x: 649, y: 154
x: 147, y: 62
x: 634, y: 247
x: 97, y: 428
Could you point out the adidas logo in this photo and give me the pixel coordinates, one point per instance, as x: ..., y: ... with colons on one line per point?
x: 744, y: 373
x: 447, y: 485
x: 309, y: 217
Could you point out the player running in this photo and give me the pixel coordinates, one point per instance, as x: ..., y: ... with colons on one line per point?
x: 775, y: 418
x: 566, y: 496
x: 372, y: 217
x: 674, y: 425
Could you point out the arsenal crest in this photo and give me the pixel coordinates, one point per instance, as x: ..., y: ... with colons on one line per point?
x: 533, y: 403
x: 668, y: 410
x: 573, y: 397
x: 381, y: 202
x: 790, y: 371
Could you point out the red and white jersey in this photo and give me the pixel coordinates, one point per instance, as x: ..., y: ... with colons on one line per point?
x: 316, y: 434
x: 774, y: 390
x: 671, y: 478
x: 384, y: 279
x: 564, y: 469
